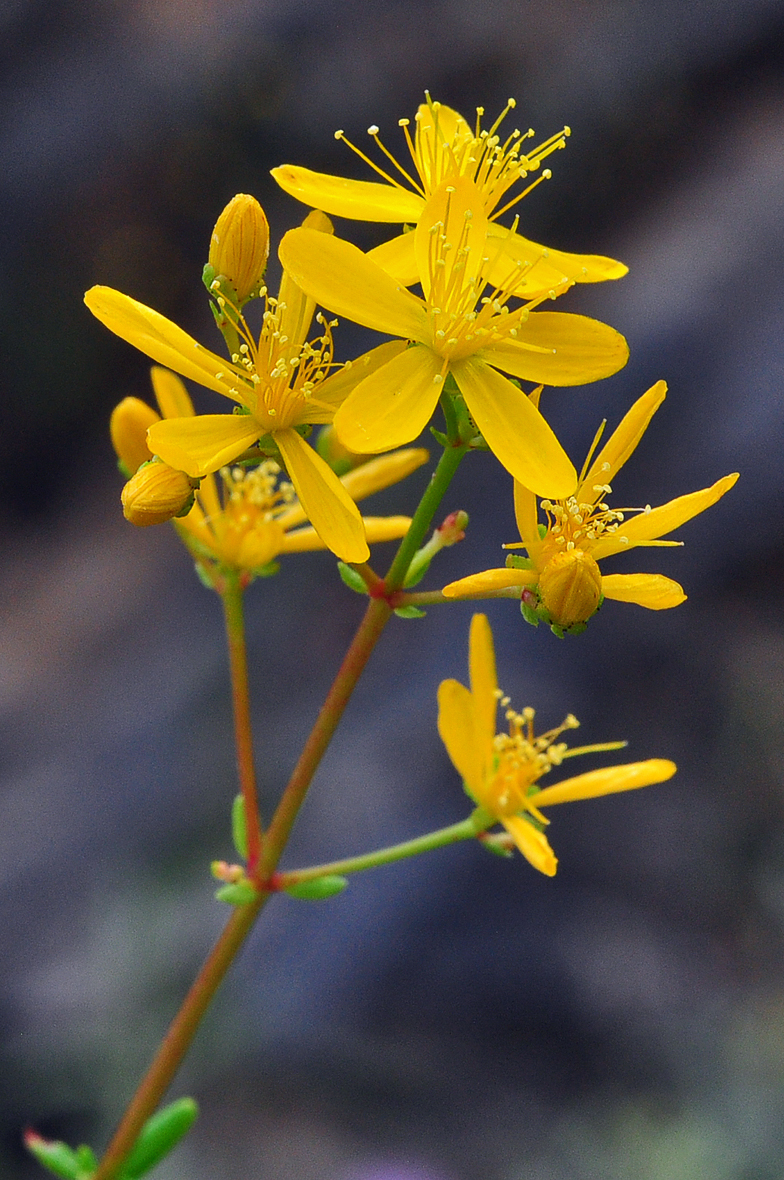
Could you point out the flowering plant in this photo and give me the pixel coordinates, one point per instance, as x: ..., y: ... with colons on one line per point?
x: 248, y: 487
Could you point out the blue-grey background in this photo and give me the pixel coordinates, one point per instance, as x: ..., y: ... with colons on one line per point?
x: 459, y: 1017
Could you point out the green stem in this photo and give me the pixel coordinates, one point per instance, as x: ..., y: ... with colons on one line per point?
x: 466, y: 829
x: 422, y: 519
x: 231, y: 593
x: 375, y: 619
x: 179, y: 1037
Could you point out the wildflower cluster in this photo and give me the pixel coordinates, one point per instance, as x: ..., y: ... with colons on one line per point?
x: 461, y: 298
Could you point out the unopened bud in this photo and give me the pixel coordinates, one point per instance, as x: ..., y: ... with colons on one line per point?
x: 239, y: 246
x: 128, y: 427
x: 155, y: 494
x: 570, y: 587
x: 453, y: 529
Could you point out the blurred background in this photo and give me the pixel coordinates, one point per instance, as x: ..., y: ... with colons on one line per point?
x: 458, y: 1017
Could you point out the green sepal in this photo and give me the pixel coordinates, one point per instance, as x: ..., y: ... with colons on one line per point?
x: 267, y: 571
x: 410, y: 612
x: 440, y: 437
x: 529, y: 613
x: 159, y: 1135
x: 352, y: 579
x: 513, y: 562
x: 239, y: 831
x: 208, y: 276
x: 203, y: 574
x: 542, y: 530
x: 496, y: 846
x: 239, y: 893
x: 186, y: 506
x: 85, y: 1157
x: 57, y: 1157
x: 241, y: 411
x: 318, y: 889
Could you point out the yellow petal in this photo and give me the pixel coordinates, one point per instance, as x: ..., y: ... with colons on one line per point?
x: 485, y: 584
x: 162, y: 340
x: 578, y: 350
x: 541, y: 268
x: 647, y: 526
x: 393, y: 405
x: 172, y: 396
x: 203, y: 444
x: 336, y: 388
x: 653, y: 591
x: 383, y: 472
x: 361, y: 200
x: 328, y: 505
x: 377, y: 528
x: 295, y: 307
x: 532, y: 843
x: 456, y: 725
x: 455, y: 214
x: 484, y: 682
x: 527, y: 518
x: 607, y: 781
x: 515, y: 431
x: 340, y: 277
x: 398, y: 258
x: 623, y: 441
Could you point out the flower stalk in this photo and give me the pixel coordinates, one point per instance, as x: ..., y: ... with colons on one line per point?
x: 231, y: 593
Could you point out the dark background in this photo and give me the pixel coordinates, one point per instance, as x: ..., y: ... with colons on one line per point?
x: 458, y: 1017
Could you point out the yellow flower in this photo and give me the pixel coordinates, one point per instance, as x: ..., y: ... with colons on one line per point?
x: 250, y: 517
x: 501, y: 771
x: 444, y: 146
x: 453, y: 335
x: 279, y: 382
x: 560, y: 580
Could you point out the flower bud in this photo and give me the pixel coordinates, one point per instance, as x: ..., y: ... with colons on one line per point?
x: 453, y: 528
x: 239, y: 246
x: 570, y: 587
x: 156, y: 493
x: 128, y: 427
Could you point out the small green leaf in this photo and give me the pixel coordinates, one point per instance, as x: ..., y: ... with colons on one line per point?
x: 529, y: 613
x: 239, y: 831
x: 239, y: 893
x: 85, y: 1157
x: 352, y: 579
x: 513, y: 562
x: 410, y: 612
x: 318, y: 889
x: 159, y: 1136
x: 58, y: 1157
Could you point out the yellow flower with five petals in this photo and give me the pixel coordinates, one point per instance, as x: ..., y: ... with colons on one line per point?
x: 444, y: 146
x: 250, y: 516
x: 501, y: 771
x: 278, y: 381
x: 455, y: 329
x: 560, y: 580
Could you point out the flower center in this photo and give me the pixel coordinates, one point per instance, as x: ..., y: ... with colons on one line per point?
x: 247, y: 533
x: 520, y: 759
x: 462, y: 319
x: 278, y: 377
